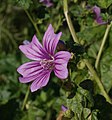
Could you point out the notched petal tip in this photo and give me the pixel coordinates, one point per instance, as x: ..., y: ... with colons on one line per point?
x: 32, y: 90
x: 20, y: 47
x: 59, y: 34
x: 49, y: 29
x: 21, y: 80
x: 23, y: 48
x: 34, y: 86
x: 18, y: 69
x: 25, y: 79
x: 35, y: 40
x: 50, y: 26
x: 34, y: 37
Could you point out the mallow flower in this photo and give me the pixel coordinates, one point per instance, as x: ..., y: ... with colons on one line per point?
x: 64, y: 108
x: 97, y: 12
x: 47, y: 3
x: 45, y: 60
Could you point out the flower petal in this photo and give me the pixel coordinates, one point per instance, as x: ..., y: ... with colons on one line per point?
x: 30, y: 72
x: 40, y: 82
x: 97, y: 11
x: 47, y: 3
x: 32, y: 77
x: 27, y: 79
x: 50, y: 40
x: 99, y: 20
x: 61, y: 60
x: 62, y: 57
x: 34, y: 50
x: 30, y: 69
x: 64, y: 108
x: 61, y: 71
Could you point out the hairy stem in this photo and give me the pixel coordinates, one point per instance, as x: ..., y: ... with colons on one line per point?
x: 98, y: 81
x: 69, y: 22
x: 91, y: 69
x: 102, y: 45
x: 25, y: 98
x: 34, y: 24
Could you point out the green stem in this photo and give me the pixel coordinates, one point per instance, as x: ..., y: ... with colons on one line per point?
x: 58, y: 24
x: 34, y: 24
x: 69, y: 21
x: 102, y: 45
x: 98, y: 81
x: 91, y: 69
x: 25, y: 98
x: 48, y: 117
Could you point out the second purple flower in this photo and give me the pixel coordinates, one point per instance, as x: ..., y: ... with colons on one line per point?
x: 47, y: 3
x: 98, y: 18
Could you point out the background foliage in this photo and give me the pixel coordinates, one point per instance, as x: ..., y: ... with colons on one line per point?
x: 79, y: 92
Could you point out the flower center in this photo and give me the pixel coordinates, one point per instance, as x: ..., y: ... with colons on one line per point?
x: 47, y: 64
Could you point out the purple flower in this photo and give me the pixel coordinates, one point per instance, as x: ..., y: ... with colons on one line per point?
x: 64, y: 108
x: 47, y: 3
x: 45, y: 60
x: 97, y: 12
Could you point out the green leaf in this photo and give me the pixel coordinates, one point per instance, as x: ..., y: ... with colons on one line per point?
x: 86, y: 112
x: 91, y: 34
x: 79, y: 76
x: 94, y: 115
x: 43, y: 96
x: 75, y: 105
x: 106, y: 69
x: 104, y: 3
x: 93, y: 49
x: 4, y: 96
x: 33, y: 113
x: 79, y: 101
x: 87, y: 95
x: 24, y: 3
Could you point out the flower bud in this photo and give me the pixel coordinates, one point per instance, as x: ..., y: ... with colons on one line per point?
x: 26, y: 42
x: 80, y: 64
x: 68, y: 114
x: 61, y: 46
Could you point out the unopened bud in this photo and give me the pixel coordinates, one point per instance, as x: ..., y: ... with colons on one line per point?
x: 80, y: 64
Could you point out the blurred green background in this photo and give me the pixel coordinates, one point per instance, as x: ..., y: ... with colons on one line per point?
x: 15, y: 27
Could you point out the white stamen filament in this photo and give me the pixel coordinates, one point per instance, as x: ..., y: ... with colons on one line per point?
x: 47, y: 64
